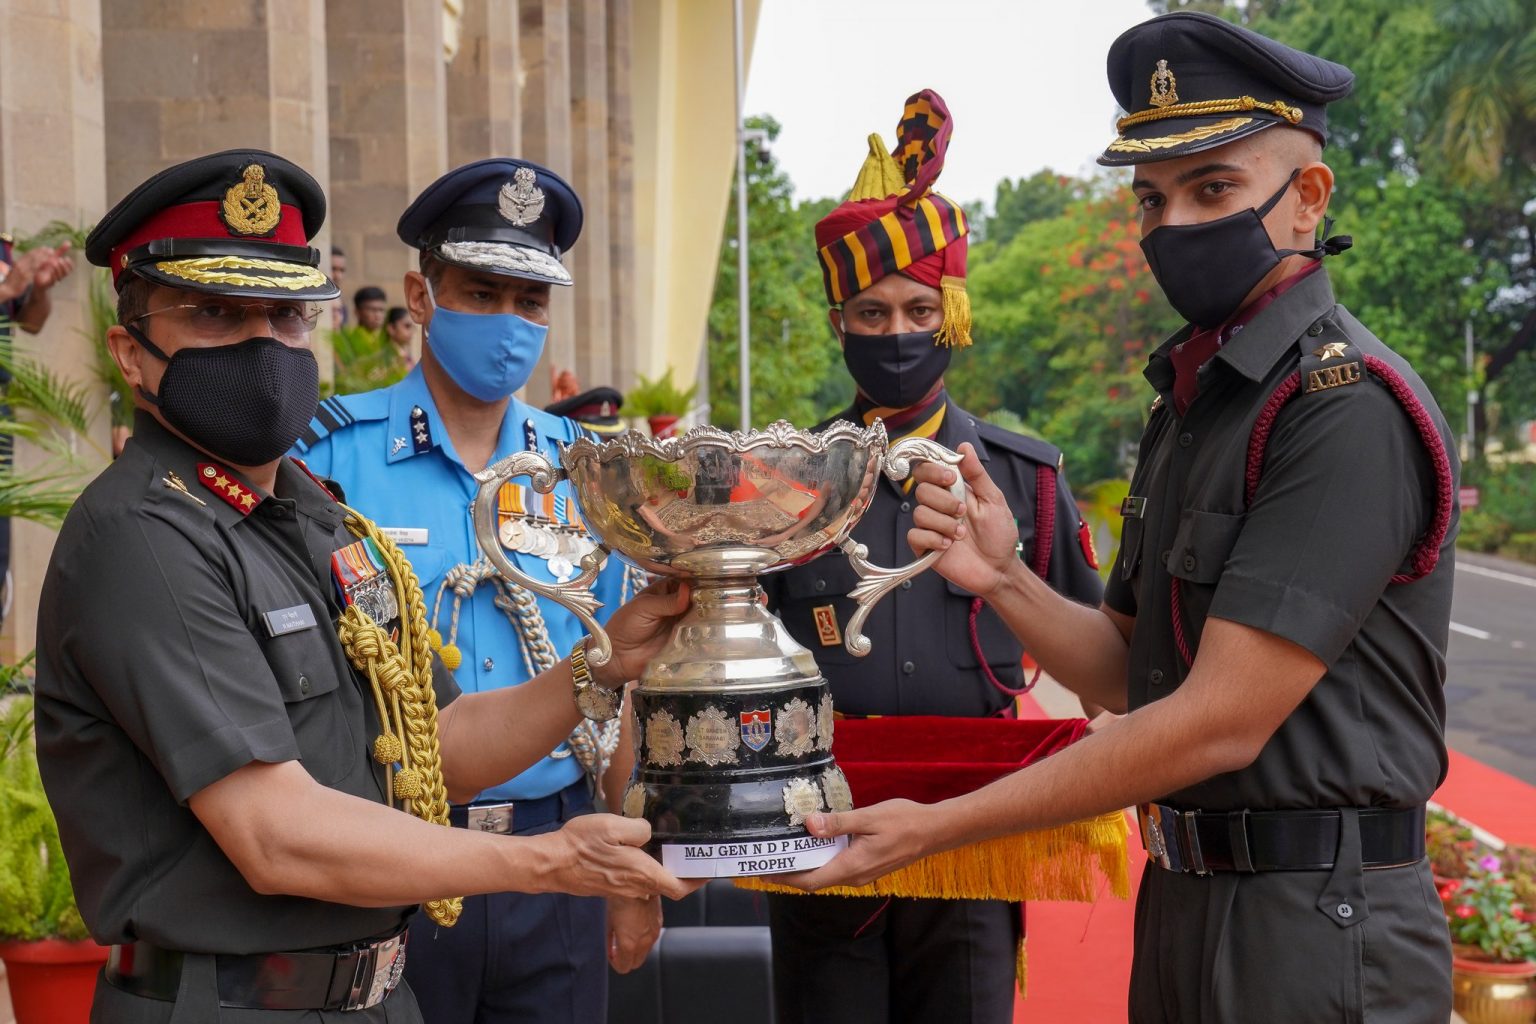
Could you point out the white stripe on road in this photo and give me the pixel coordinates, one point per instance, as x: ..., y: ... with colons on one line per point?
x: 1477, y: 634
x: 1496, y: 574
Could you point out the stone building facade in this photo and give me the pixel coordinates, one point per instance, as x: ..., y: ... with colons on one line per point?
x: 632, y: 101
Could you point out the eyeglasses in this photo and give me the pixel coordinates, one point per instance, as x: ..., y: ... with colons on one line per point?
x: 222, y: 320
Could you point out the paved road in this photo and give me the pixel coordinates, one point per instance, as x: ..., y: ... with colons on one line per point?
x: 1490, y: 687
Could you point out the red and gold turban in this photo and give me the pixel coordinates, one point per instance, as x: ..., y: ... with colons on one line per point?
x: 893, y: 221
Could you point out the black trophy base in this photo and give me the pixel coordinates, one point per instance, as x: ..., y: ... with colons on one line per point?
x: 727, y: 777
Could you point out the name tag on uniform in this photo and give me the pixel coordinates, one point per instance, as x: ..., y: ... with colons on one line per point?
x: 289, y: 620
x: 405, y: 534
x: 1133, y: 508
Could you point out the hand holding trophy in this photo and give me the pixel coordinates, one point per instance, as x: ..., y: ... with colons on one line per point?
x: 735, y: 720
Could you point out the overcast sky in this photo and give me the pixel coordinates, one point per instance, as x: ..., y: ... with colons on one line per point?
x: 1024, y: 80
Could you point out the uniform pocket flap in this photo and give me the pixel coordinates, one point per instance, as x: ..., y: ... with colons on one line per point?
x: 302, y: 663
x: 1201, y: 546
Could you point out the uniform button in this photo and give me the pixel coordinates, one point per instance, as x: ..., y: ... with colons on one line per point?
x: 1314, y: 331
x: 1345, y: 911
x: 1186, y: 439
x: 908, y: 667
x: 821, y: 585
x: 1189, y: 563
x: 906, y: 584
x: 1156, y: 677
x: 906, y: 506
x: 303, y: 684
x: 488, y: 664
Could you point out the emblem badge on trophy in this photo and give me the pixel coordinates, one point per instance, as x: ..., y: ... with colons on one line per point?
x: 735, y: 722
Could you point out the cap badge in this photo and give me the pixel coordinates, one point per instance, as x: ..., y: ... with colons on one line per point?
x: 251, y: 207
x: 521, y: 200
x: 1165, y: 88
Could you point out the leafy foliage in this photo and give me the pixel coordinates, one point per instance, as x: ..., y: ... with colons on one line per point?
x: 659, y: 397
x: 52, y: 413
x: 36, y: 900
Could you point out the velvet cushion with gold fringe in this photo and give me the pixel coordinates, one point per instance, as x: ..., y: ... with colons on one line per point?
x: 928, y: 759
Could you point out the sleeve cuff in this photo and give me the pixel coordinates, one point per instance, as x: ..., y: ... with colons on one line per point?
x: 1308, y: 620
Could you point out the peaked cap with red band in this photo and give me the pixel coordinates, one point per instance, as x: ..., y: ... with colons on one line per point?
x: 232, y: 223
x: 893, y: 221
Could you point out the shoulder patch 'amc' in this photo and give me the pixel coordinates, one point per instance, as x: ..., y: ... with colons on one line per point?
x: 1332, y: 365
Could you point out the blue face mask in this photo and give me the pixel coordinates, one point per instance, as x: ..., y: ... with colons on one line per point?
x: 489, y: 355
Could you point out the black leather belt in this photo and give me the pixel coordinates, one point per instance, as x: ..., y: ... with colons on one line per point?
x: 350, y: 978
x: 1306, y: 840
x: 521, y: 815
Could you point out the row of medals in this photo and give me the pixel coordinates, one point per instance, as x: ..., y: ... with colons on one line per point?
x: 562, y: 545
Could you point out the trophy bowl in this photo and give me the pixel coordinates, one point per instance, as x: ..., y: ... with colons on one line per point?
x: 734, y: 720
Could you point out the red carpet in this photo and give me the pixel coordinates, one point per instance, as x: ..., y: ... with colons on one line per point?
x: 1080, y: 953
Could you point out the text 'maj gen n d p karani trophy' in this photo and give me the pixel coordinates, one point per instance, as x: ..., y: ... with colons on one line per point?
x: 734, y: 742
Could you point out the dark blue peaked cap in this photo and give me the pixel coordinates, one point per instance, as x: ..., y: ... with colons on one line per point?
x: 1191, y: 82
x: 501, y: 215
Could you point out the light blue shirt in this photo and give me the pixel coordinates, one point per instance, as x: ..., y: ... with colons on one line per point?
x: 393, y: 459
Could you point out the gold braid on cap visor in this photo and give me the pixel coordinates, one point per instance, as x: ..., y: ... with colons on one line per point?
x: 1206, y: 107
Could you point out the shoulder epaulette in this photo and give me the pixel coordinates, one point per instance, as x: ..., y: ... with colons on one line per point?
x: 338, y: 412
x: 1031, y: 448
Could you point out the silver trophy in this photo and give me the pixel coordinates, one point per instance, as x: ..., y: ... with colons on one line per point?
x: 734, y: 742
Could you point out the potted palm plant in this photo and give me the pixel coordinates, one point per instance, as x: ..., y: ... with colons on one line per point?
x: 50, y: 962
x: 1493, y: 966
x: 660, y: 401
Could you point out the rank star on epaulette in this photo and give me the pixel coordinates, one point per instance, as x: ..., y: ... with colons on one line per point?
x: 421, y: 433
x: 1332, y: 350
x: 231, y: 491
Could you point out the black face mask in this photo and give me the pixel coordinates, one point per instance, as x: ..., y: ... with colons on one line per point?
x: 1207, y: 270
x: 895, y: 370
x: 245, y: 403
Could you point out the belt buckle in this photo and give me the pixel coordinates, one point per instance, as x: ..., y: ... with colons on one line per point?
x: 379, y: 968
x: 495, y: 818
x: 1160, y: 835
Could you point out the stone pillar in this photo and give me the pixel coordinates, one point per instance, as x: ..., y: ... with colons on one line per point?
x: 621, y: 196
x: 483, y: 119
x: 545, y: 69
x: 185, y: 77
x: 52, y: 167
x: 388, y: 137
x: 592, y: 259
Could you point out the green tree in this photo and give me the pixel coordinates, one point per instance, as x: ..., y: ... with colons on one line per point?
x: 796, y: 367
x: 1066, y: 313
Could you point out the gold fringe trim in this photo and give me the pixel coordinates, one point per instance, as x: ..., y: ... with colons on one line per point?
x: 1021, y: 966
x: 1064, y: 863
x: 955, y: 329
x: 880, y: 177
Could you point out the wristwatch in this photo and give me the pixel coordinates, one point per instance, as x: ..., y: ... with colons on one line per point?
x: 598, y: 703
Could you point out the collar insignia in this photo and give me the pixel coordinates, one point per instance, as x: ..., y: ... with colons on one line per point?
x: 223, y: 483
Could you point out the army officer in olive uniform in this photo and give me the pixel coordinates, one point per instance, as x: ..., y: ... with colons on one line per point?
x: 936, y: 649
x: 210, y: 747
x: 1277, y: 616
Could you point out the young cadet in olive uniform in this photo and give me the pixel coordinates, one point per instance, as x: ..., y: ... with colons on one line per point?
x: 490, y: 236
x: 936, y: 649
x: 1278, y: 613
x: 222, y: 709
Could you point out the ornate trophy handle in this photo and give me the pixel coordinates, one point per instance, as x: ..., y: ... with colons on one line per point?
x: 575, y: 595
x: 876, y: 581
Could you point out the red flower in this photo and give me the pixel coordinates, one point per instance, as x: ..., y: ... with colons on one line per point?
x: 1449, y: 888
x: 1464, y: 912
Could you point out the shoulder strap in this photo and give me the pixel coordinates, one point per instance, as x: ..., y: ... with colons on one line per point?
x: 1337, y: 364
x: 1045, y: 518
